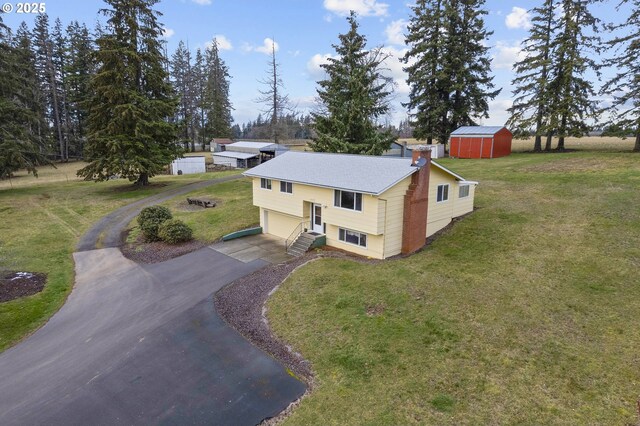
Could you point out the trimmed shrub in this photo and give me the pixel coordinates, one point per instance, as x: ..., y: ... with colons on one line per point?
x: 174, y: 231
x: 149, y: 220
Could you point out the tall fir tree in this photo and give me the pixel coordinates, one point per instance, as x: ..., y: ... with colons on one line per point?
x: 182, y: 78
x: 353, y: 98
x: 20, y: 114
x: 532, y: 94
x: 199, y: 86
x: 574, y: 47
x: 425, y: 39
x: 128, y: 129
x: 78, y: 71
x: 216, y: 95
x: 449, y: 67
x: 624, y: 86
x: 47, y: 76
x: 274, y: 97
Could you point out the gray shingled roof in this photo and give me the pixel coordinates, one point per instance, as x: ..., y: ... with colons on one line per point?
x: 359, y: 173
x: 477, y: 130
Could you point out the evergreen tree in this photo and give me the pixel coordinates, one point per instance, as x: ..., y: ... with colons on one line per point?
x: 20, y: 114
x: 624, y: 86
x: 573, y: 51
x: 199, y: 86
x: 425, y: 39
x: 276, y: 101
x: 78, y: 72
x: 128, y: 129
x: 47, y: 76
x: 532, y: 94
x: 216, y: 96
x: 182, y: 77
x: 450, y: 78
x: 353, y: 97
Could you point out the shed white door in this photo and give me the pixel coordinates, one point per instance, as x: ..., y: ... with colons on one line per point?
x: 316, y: 218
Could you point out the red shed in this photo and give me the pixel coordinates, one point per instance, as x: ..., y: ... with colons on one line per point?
x: 480, y: 142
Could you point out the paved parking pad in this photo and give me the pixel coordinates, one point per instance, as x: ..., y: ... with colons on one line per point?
x: 255, y: 247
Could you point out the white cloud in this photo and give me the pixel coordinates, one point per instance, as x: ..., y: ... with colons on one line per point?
x: 394, y: 69
x: 267, y: 45
x: 167, y: 32
x: 361, y: 7
x: 505, y: 55
x: 498, y: 112
x: 519, y: 18
x: 202, y: 2
x: 395, y: 32
x: 223, y: 42
x: 314, y: 70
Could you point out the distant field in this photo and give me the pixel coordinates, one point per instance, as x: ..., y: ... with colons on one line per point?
x: 590, y: 143
x: 587, y: 143
x: 524, y: 312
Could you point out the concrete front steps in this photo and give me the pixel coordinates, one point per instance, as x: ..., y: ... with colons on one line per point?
x: 306, y: 241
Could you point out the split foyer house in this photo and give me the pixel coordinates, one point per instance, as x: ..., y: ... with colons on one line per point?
x: 373, y: 206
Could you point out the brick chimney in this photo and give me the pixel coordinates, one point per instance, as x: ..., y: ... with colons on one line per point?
x: 416, y: 203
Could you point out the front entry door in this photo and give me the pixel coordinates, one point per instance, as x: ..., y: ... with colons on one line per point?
x: 316, y: 218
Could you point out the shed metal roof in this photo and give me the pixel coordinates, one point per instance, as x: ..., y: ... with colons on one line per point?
x: 359, y: 173
x: 246, y: 144
x: 477, y: 130
x: 232, y: 154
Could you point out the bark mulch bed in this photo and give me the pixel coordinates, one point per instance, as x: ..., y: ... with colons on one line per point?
x: 158, y: 251
x: 16, y: 284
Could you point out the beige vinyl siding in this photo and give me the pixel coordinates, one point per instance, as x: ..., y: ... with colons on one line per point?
x: 440, y: 214
x: 297, y: 203
x: 464, y: 205
x: 393, y: 200
x: 278, y: 224
x: 375, y: 243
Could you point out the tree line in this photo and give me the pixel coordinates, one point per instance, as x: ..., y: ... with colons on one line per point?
x: 62, y: 91
x: 114, y: 97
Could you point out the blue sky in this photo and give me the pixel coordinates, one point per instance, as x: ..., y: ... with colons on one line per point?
x: 304, y: 31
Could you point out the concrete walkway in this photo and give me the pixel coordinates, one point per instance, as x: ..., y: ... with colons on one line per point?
x: 142, y: 344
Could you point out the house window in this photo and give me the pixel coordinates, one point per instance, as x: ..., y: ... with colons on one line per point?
x: 443, y: 193
x: 463, y: 191
x: 265, y: 183
x: 352, y: 237
x: 286, y: 187
x: 348, y: 200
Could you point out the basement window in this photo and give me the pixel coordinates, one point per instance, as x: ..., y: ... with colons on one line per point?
x: 352, y: 237
x: 443, y: 193
x: 463, y: 192
x: 286, y: 187
x: 265, y: 183
x: 348, y: 200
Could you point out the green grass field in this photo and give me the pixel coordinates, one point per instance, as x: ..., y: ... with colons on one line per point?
x: 42, y: 219
x: 525, y: 312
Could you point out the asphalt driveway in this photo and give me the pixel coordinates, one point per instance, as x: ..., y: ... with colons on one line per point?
x: 142, y: 344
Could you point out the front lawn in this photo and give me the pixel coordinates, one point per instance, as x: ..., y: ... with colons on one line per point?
x: 527, y: 311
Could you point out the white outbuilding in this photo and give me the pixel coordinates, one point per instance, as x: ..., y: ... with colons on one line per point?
x: 188, y: 165
x: 238, y: 160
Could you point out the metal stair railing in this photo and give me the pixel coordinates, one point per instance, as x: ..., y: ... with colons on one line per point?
x: 294, y: 235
